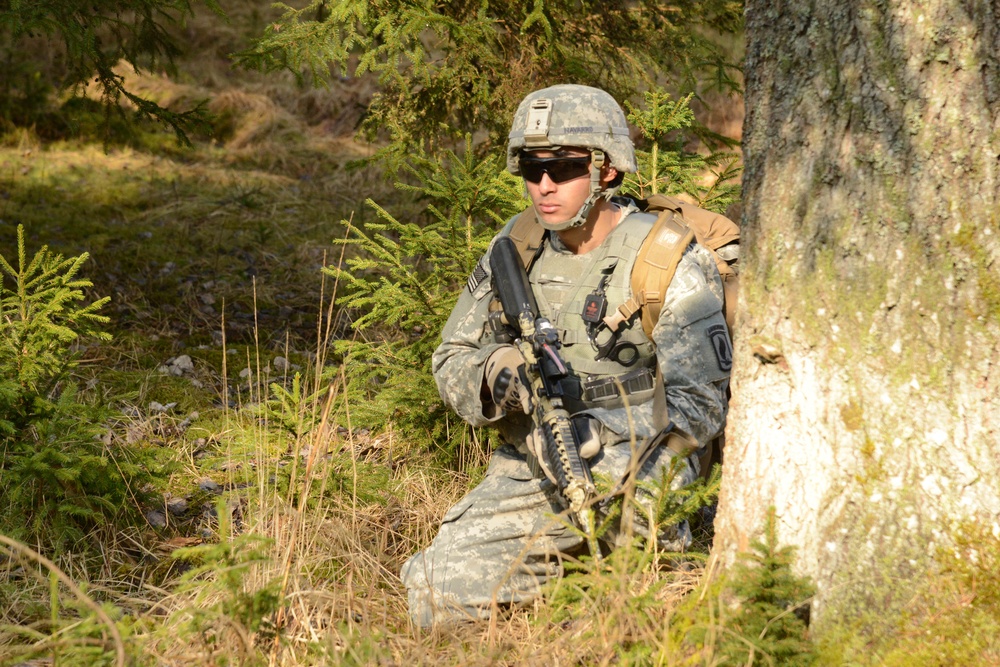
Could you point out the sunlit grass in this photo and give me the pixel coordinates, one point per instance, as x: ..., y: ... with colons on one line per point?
x: 214, y: 252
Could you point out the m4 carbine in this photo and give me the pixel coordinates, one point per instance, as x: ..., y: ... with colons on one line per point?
x: 538, y: 341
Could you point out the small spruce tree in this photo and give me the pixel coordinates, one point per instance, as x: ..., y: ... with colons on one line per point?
x: 665, y: 166
x: 57, y: 480
x: 403, y: 283
x: 770, y: 620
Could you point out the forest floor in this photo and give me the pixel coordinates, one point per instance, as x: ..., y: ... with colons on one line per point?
x: 212, y: 258
x: 291, y: 539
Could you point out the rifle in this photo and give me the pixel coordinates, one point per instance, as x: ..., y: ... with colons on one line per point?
x: 539, y: 343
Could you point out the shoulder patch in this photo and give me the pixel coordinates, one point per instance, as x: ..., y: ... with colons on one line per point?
x: 478, y: 275
x: 719, y: 336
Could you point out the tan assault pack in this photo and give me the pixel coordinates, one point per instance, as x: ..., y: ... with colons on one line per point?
x: 658, y: 257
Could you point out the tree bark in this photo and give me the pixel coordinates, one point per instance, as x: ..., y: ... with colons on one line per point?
x: 866, y: 385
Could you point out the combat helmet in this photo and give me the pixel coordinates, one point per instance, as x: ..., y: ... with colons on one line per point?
x: 578, y: 116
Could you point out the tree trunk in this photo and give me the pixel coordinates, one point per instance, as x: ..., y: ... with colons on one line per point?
x: 867, y: 379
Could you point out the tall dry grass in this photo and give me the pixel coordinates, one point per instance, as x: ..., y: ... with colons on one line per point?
x: 305, y: 572
x: 327, y: 545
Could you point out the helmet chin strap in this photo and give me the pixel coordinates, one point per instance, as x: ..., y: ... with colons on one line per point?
x: 597, y: 192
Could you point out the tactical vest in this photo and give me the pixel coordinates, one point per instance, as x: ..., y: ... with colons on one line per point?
x: 677, y: 224
x: 641, y: 255
x: 562, y: 283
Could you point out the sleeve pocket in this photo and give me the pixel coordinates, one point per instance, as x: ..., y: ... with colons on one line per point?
x: 694, y: 307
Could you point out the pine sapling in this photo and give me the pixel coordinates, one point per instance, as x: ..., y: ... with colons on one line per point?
x: 665, y: 166
x: 57, y: 480
x: 770, y: 625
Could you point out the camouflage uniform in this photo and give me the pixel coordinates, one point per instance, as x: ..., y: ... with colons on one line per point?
x: 502, y: 541
x: 505, y: 538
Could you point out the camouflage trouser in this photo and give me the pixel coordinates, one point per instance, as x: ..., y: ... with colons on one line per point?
x: 504, y: 539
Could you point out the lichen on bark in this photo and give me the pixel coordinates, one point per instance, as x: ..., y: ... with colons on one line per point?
x: 872, y: 248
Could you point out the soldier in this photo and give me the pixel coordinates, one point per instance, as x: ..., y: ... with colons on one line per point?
x: 504, y: 539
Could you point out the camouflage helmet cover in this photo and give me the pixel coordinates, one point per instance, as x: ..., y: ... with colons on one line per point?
x: 571, y: 115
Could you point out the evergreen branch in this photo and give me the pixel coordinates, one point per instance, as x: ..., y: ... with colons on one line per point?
x: 447, y: 69
x: 97, y: 36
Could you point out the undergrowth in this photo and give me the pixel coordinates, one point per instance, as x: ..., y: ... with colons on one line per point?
x: 402, y: 283
x: 61, y: 478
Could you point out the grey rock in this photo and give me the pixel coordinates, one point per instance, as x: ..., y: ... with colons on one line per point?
x: 209, y: 486
x: 280, y: 364
x: 186, y: 423
x: 184, y: 363
x: 156, y: 518
x: 177, y: 506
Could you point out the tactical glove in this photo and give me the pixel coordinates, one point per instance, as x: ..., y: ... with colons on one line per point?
x: 589, y: 436
x: 506, y: 382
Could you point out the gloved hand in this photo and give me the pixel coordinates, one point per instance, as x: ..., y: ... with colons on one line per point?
x: 506, y: 382
x: 588, y: 435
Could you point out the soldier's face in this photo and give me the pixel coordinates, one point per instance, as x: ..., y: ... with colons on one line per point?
x: 558, y: 202
x: 559, y: 182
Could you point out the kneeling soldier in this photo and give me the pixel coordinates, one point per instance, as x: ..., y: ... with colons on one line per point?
x: 623, y: 389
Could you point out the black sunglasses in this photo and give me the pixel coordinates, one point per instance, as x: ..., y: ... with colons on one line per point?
x: 559, y: 169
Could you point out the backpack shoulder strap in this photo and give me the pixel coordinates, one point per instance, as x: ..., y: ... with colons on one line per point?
x: 712, y: 231
x: 527, y: 236
x: 654, y: 268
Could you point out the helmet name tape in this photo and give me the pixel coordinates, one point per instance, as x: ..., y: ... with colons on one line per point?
x: 536, y: 131
x: 590, y: 129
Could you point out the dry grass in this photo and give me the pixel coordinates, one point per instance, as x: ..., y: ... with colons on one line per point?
x: 330, y: 545
x: 224, y: 242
